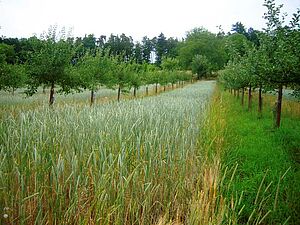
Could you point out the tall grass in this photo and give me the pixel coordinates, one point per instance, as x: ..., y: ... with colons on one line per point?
x: 208, y: 206
x: 18, y: 102
x: 119, y: 163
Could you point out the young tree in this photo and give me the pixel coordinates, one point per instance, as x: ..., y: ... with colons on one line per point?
x: 170, y: 64
x: 93, y: 71
x: 200, y: 66
x: 274, y: 62
x: 255, y: 63
x: 47, y: 66
x: 280, y: 46
x: 135, y: 72
x: 164, y: 78
x: 120, y: 73
x: 146, y: 76
x: 235, y: 77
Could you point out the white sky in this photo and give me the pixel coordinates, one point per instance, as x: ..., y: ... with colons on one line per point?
x: 136, y: 18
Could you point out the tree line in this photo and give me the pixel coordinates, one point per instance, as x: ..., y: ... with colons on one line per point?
x: 245, y: 58
x: 87, y: 63
x: 72, y: 64
x: 268, y: 62
x: 55, y: 58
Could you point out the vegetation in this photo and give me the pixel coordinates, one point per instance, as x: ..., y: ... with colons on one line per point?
x: 47, y: 66
x: 114, y: 163
x: 261, y: 164
x: 57, y: 61
x: 272, y: 63
x: 185, y: 156
x: 200, y: 42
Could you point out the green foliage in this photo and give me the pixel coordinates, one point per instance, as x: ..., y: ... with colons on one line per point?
x: 234, y: 76
x: 200, y: 66
x: 48, y: 65
x: 170, y: 64
x: 120, y: 46
x: 164, y: 48
x: 281, y: 47
x: 147, y: 48
x: 135, y: 72
x: 243, y: 72
x: 273, y: 63
x: 239, y: 28
x: 93, y: 71
x: 138, y: 53
x: 283, y: 57
x: 8, y: 52
x: 121, y: 74
x: 160, y: 45
x: 250, y: 34
x: 202, y: 42
x: 236, y: 45
x: 12, y: 77
x: 89, y: 42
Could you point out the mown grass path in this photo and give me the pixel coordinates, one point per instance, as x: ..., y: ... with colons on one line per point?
x: 260, y: 163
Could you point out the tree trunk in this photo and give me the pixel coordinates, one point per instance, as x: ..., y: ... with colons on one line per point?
x: 259, y: 103
x: 92, y: 97
x: 119, y: 93
x: 164, y: 87
x: 13, y: 91
x: 51, y: 98
x: 134, y: 92
x: 172, y: 86
x: 243, y: 96
x: 147, y: 91
x: 238, y: 93
x: 250, y: 98
x: 278, y: 106
x: 234, y: 92
x: 156, y: 88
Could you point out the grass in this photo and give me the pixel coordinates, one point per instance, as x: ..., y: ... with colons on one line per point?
x: 132, y: 162
x: 262, y: 163
x: 19, y: 97
x: 182, y: 157
x: 208, y: 205
x: 14, y: 104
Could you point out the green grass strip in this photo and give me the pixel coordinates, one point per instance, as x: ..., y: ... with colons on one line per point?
x: 262, y: 180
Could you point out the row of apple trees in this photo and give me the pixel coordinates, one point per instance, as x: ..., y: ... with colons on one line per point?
x: 56, y: 63
x: 270, y: 64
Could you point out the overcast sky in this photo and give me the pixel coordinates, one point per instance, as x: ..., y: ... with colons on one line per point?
x: 136, y: 18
